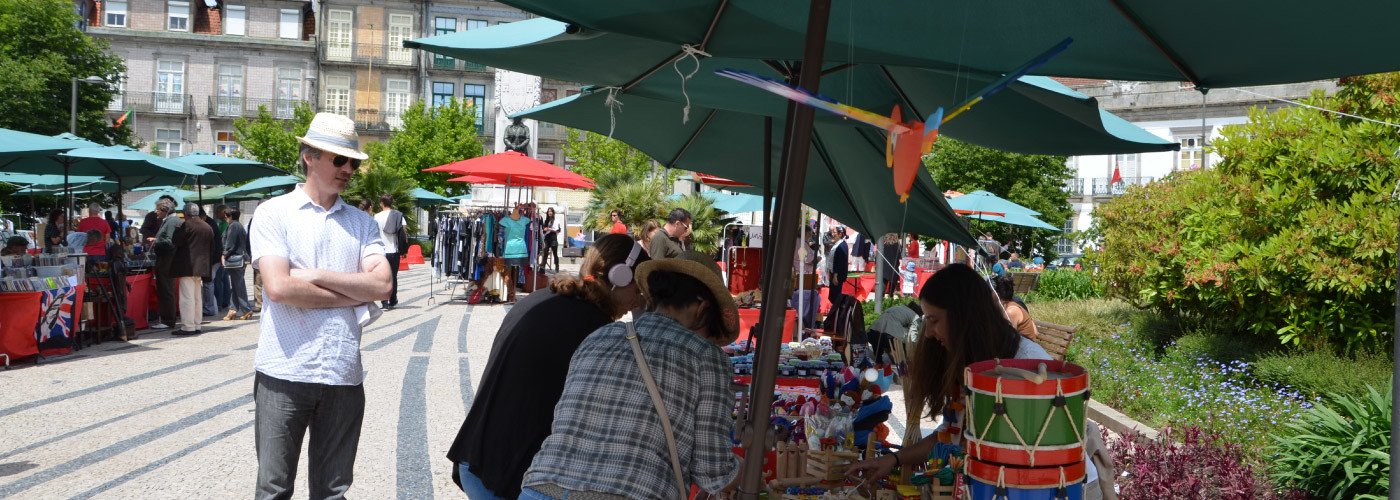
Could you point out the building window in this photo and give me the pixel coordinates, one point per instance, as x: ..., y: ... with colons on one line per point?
x: 396, y: 102
x: 235, y: 20
x: 289, y: 24
x: 443, y: 26
x: 1190, y: 155
x: 1066, y: 245
x: 442, y: 93
x: 570, y: 92
x: 229, y: 100
x: 476, y: 23
x: 547, y: 95
x: 116, y: 13
x: 179, y: 16
x: 168, y: 142
x: 338, y: 95
x: 225, y: 144
x: 400, y: 29
x: 288, y: 91
x: 338, y: 37
x: 476, y: 95
x: 1127, y: 166
x: 119, y: 99
x: 545, y: 157
x: 170, y: 86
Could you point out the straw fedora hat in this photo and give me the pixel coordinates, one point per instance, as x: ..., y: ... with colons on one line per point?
x: 335, y: 134
x: 701, y: 267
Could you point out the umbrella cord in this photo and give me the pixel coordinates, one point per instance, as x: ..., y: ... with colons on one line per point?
x: 962, y: 46
x: 613, y: 105
x: 694, y: 54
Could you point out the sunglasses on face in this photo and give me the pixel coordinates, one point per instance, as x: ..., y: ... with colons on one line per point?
x: 339, y: 161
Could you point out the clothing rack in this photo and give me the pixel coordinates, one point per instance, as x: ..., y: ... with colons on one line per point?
x: 447, y: 252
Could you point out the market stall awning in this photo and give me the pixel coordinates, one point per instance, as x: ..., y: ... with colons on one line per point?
x: 508, y: 165
x: 266, y: 185
x: 984, y: 203
x: 229, y: 170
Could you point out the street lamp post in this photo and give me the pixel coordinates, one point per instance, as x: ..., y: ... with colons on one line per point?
x: 73, y: 129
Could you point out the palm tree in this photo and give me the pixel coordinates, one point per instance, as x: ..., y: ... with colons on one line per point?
x: 637, y: 198
x: 375, y: 180
x: 706, y: 222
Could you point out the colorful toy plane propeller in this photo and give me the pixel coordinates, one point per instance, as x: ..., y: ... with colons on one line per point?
x: 905, y: 142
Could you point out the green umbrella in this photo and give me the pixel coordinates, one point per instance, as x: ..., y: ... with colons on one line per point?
x: 149, y: 202
x: 847, y: 178
x: 46, y: 181
x: 16, y: 145
x: 227, y: 169
x: 984, y: 203
x: 222, y: 193
x: 425, y: 198
x: 1236, y: 44
x: 265, y: 185
x: 1016, y: 219
x: 1034, y: 115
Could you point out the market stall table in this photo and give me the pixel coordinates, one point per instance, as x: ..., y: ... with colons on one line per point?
x: 749, y: 317
x: 19, y: 326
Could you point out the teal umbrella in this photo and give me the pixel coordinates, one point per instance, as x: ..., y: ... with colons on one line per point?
x: 47, y: 181
x: 16, y: 145
x: 222, y: 193
x: 984, y: 203
x: 1017, y: 219
x: 227, y: 169
x: 149, y: 202
x: 847, y: 178
x: 1034, y: 115
x: 1239, y: 43
x: 266, y: 185
x: 425, y: 198
x: 739, y: 203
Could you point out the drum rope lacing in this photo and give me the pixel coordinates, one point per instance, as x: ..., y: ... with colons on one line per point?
x: 1000, y: 410
x: 1003, y: 493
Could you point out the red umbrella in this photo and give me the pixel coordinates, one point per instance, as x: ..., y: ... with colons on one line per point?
x: 522, y: 180
x: 717, y: 181
x: 507, y: 166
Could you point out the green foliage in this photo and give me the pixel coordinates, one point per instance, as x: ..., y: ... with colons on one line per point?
x: 1064, y: 284
x: 376, y: 180
x: 868, y: 307
x: 706, y: 222
x: 1301, y: 245
x: 598, y: 156
x: 1338, y: 450
x: 41, y: 52
x: 431, y: 137
x: 1034, y: 181
x: 273, y: 141
x: 1316, y: 372
x: 637, y: 198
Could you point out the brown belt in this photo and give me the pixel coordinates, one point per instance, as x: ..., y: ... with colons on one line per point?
x: 557, y: 491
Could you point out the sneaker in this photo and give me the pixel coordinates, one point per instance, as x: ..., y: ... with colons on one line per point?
x: 159, y: 326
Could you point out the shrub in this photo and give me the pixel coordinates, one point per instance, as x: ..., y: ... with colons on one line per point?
x: 1291, y: 236
x: 425, y: 245
x: 1184, y: 464
x: 1338, y: 450
x: 1316, y: 372
x: 1064, y: 284
x: 868, y: 307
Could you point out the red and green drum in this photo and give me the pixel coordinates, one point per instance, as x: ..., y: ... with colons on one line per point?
x: 1025, y: 412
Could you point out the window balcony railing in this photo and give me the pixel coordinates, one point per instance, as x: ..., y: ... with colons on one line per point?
x: 1075, y: 186
x: 376, y: 119
x: 246, y: 107
x: 366, y: 53
x: 153, y: 102
x: 1103, y: 187
x: 448, y: 63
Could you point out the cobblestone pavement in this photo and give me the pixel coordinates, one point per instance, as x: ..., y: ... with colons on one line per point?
x: 171, y: 417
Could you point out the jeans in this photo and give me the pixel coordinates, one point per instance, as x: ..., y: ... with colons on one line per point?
x: 239, y: 292
x: 529, y: 494
x: 393, y: 271
x: 283, y: 412
x: 550, y: 248
x: 471, y: 485
x: 211, y: 304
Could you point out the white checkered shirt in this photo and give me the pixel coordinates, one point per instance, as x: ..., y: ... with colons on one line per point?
x: 607, y: 436
x: 320, y: 346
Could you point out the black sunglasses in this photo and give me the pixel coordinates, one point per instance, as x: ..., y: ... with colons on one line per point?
x: 339, y: 161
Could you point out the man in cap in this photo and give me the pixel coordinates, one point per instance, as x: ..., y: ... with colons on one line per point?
x: 323, y: 267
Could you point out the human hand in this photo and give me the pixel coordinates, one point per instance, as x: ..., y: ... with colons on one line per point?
x: 873, y: 469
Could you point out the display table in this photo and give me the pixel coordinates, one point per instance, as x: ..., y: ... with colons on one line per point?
x: 137, y: 299
x: 749, y: 317
x: 859, y: 286
x: 20, y: 332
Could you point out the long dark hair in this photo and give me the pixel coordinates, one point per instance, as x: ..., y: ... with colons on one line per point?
x: 549, y: 219
x: 54, y: 215
x: 679, y: 290
x: 977, y: 331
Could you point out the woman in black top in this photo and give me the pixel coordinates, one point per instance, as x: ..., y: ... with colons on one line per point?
x: 524, y: 378
x: 53, y: 233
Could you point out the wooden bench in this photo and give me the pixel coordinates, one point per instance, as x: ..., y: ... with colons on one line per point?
x: 1024, y: 281
x: 1054, y: 338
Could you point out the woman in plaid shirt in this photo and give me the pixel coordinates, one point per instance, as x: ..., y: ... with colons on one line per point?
x: 607, y: 440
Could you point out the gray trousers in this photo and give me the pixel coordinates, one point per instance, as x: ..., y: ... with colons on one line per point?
x: 284, y: 411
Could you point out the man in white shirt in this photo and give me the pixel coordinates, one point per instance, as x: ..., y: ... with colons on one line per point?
x: 390, y: 223
x: 323, y: 267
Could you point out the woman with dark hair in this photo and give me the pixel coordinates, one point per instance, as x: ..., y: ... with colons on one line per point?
x: 963, y: 324
x: 53, y: 233
x: 524, y: 376
x: 551, y: 229
x: 1016, y: 311
x: 609, y: 440
x: 649, y: 229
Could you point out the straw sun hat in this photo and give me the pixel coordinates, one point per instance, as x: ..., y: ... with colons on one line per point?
x: 334, y: 134
x: 701, y: 267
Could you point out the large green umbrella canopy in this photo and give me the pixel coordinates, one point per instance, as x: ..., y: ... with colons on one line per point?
x: 1034, y: 115
x: 1017, y: 220
x: 149, y: 202
x: 425, y: 198
x: 984, y: 203
x: 46, y: 181
x: 130, y: 167
x: 222, y: 193
x: 227, y: 169
x: 16, y: 145
x: 1213, y: 44
x: 265, y: 185
x: 847, y: 177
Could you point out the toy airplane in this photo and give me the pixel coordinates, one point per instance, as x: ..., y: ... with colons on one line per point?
x: 905, y: 142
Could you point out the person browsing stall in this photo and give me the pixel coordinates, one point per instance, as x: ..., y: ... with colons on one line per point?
x: 323, y: 267
x: 524, y: 375
x: 666, y: 243
x: 194, y: 245
x: 94, y: 222
x: 15, y: 246
x: 608, y: 438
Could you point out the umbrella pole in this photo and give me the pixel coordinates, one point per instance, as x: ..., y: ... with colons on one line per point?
x: 756, y: 438
x: 767, y: 181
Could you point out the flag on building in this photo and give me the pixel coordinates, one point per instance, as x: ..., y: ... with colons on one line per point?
x: 1117, y: 177
x: 119, y: 121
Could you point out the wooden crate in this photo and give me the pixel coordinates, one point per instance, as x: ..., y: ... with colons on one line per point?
x: 830, y: 465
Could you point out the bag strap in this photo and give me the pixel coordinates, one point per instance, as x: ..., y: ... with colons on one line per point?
x: 660, y: 406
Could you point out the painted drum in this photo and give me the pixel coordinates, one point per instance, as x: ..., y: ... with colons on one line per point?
x: 1004, y: 482
x: 1015, y: 403
x: 1015, y: 454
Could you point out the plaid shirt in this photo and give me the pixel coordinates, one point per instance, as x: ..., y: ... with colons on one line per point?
x: 607, y: 436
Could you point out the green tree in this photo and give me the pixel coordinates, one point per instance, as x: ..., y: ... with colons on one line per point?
x: 430, y: 137
x: 41, y: 52
x: 706, y: 221
x: 1034, y: 181
x: 375, y: 180
x: 273, y: 141
x: 637, y: 197
x: 1291, y: 235
x: 597, y: 155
